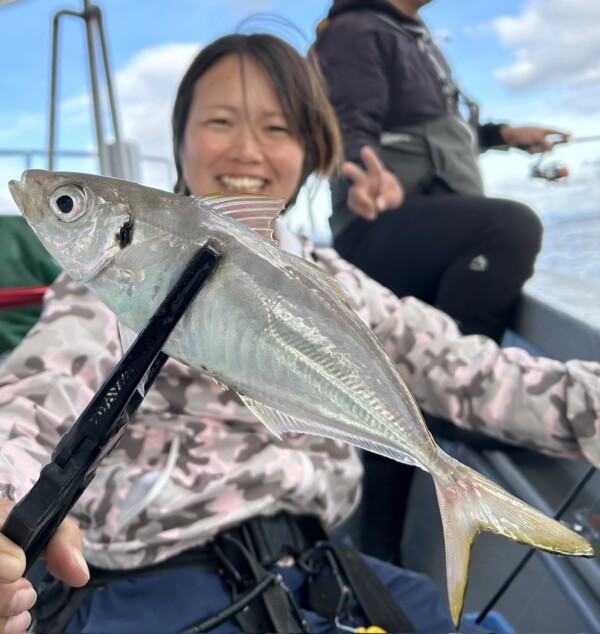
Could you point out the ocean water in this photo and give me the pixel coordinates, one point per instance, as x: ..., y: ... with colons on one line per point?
x: 571, y: 246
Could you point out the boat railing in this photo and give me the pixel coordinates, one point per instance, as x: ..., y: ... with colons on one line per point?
x: 137, y: 163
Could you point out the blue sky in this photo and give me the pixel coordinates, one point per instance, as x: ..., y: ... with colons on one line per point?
x: 525, y: 61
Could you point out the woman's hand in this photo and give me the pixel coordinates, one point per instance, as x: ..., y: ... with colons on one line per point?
x: 65, y: 561
x: 530, y: 138
x: 374, y: 189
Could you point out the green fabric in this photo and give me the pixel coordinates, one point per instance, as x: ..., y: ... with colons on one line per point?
x: 23, y: 262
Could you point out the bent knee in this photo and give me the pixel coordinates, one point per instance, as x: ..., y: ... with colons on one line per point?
x: 520, y: 224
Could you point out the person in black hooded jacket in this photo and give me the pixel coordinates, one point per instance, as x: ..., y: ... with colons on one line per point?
x: 410, y: 152
x: 410, y: 210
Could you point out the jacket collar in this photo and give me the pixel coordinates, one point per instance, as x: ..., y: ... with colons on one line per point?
x: 381, y: 6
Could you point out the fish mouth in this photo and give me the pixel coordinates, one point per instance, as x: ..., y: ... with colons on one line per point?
x: 17, y: 191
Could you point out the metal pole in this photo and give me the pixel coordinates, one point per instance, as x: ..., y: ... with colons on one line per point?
x: 89, y: 16
x: 53, y: 81
x: 121, y: 168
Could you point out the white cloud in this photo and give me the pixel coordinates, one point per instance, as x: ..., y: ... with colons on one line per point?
x: 8, y: 171
x: 146, y: 90
x: 554, y: 43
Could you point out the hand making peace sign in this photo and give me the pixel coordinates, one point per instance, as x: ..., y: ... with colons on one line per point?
x: 374, y: 189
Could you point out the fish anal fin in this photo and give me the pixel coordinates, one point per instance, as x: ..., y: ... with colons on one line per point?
x: 275, y: 421
x: 278, y: 423
x: 257, y: 211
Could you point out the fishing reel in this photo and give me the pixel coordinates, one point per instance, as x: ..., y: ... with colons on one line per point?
x: 551, y: 172
x: 555, y: 171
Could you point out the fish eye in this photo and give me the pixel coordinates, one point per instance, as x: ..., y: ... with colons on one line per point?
x: 68, y: 202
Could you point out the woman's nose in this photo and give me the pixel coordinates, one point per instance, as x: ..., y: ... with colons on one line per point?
x: 248, y: 147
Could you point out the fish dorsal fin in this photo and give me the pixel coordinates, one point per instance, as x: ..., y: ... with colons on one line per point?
x: 330, y: 282
x: 257, y: 211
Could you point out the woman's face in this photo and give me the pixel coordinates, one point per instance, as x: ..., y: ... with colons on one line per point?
x: 236, y: 138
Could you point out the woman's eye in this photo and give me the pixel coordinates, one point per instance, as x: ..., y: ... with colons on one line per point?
x: 278, y: 129
x: 68, y: 202
x: 219, y: 122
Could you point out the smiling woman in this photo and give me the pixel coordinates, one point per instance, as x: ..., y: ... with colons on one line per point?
x: 237, y: 137
x: 234, y: 132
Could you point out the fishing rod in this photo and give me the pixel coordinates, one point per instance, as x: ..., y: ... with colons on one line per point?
x: 579, y: 139
x: 555, y: 171
x: 519, y: 567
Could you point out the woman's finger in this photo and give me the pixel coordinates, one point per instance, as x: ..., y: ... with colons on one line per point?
x: 64, y: 555
x: 12, y: 557
x: 361, y: 203
x: 354, y: 172
x: 553, y: 131
x: 15, y: 624
x: 16, y: 597
x: 372, y: 162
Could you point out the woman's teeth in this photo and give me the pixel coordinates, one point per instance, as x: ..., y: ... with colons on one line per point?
x: 245, y: 184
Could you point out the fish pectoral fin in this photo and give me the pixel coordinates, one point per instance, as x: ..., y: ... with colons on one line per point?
x: 257, y: 211
x: 138, y: 256
x: 222, y: 385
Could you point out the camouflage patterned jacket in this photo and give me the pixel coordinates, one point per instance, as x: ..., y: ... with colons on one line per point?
x: 195, y: 461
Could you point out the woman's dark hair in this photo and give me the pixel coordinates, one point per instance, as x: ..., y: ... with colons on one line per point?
x: 298, y: 85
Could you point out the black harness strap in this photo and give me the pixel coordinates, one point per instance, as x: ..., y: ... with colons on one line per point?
x: 269, y: 538
x: 376, y: 600
x: 270, y: 610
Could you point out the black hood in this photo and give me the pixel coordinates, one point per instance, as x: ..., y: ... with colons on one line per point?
x: 343, y: 6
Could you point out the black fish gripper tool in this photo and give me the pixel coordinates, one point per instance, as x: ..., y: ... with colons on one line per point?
x: 34, y: 519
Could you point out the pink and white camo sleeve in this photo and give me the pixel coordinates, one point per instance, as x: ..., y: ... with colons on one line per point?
x: 540, y: 403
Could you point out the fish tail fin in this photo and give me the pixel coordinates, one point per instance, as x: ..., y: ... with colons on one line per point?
x: 470, y: 503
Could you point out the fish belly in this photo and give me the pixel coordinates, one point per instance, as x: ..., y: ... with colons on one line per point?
x: 305, y: 355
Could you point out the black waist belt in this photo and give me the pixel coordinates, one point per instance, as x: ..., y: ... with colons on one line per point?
x: 272, y: 538
x: 261, y: 601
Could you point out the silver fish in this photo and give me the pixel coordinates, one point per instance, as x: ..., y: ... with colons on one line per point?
x: 272, y: 327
